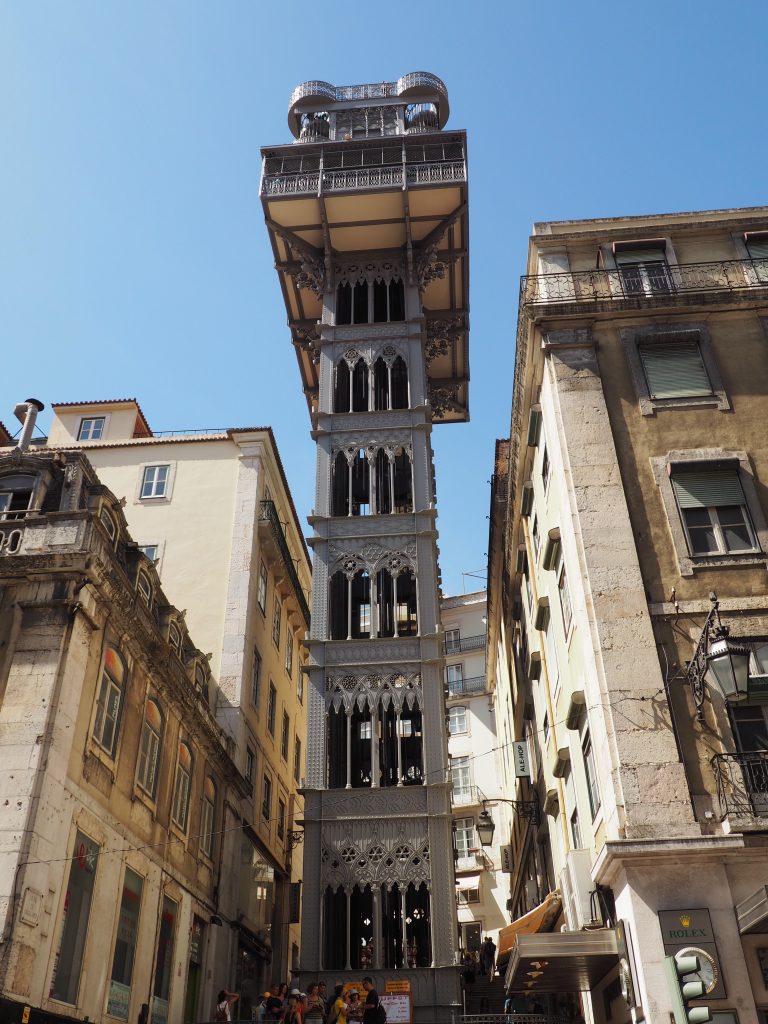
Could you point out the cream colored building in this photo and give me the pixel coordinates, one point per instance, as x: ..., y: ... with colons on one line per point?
x: 213, y: 511
x: 633, y: 486
x: 125, y: 859
x: 481, y: 889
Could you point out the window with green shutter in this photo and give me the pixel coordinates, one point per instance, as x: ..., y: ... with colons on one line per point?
x: 675, y: 370
x: 714, y: 512
x: 757, y: 247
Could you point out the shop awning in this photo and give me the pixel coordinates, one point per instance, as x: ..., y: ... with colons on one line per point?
x: 468, y: 881
x: 540, y: 919
x: 562, y: 961
x: 752, y: 913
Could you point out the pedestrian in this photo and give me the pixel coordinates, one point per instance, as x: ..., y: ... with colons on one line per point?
x: 144, y: 1014
x: 292, y: 1013
x: 337, y: 1013
x: 372, y: 1013
x: 354, y: 1006
x: 488, y: 957
x: 224, y: 1003
x: 315, y: 1008
x: 322, y: 991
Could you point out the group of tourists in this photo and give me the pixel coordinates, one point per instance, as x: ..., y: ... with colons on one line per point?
x: 315, y: 1006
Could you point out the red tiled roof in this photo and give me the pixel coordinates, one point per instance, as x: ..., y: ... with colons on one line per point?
x: 106, y: 401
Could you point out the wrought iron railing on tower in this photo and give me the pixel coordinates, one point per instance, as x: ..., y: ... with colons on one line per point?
x: 268, y: 513
x: 659, y: 281
x: 742, y: 783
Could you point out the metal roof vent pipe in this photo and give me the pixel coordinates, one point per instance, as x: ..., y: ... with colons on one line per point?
x: 26, y: 414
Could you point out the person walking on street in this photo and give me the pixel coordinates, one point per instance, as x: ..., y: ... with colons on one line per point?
x: 488, y: 957
x: 370, y: 1015
x: 224, y: 1003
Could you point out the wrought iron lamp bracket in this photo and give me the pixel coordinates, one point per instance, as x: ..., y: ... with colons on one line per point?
x: 529, y: 809
x: 699, y: 663
x: 295, y: 838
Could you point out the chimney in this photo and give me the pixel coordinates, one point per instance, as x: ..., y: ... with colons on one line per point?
x: 26, y: 414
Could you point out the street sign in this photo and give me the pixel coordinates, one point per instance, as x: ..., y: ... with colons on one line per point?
x: 520, y: 754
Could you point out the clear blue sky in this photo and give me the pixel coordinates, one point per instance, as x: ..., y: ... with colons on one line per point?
x: 133, y: 255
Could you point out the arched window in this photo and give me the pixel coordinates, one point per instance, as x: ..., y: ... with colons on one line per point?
x: 350, y: 606
x: 109, y: 523
x: 16, y: 495
x: 396, y: 299
x: 411, y: 768
x: 382, y: 475
x: 149, y: 748
x: 344, y: 304
x: 201, y: 678
x: 109, y: 701
x: 360, y: 303
x: 335, y: 921
x: 385, y: 600
x: 361, y: 606
x: 208, y: 816
x: 406, y: 620
x: 361, y: 484
x: 181, y: 787
x: 144, y: 587
x: 402, y: 483
x: 399, y: 386
x: 340, y: 486
x: 380, y: 301
x: 341, y: 394
x: 174, y: 638
x: 338, y: 595
x: 360, y: 386
x: 380, y: 384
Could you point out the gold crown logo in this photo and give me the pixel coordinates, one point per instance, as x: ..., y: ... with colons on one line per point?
x: 685, y: 920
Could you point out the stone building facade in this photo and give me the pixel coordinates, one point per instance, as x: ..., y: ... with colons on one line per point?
x: 631, y: 488
x: 367, y: 215
x: 213, y: 512
x: 121, y: 797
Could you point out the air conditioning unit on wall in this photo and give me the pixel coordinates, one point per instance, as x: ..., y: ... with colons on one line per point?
x: 576, y: 886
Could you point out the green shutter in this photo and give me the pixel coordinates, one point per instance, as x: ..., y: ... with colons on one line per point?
x: 675, y: 371
x: 639, y: 256
x: 704, y: 490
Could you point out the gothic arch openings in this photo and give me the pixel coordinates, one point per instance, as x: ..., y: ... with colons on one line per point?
x: 371, y: 479
x: 370, y: 293
x: 373, y: 594
x: 370, y: 381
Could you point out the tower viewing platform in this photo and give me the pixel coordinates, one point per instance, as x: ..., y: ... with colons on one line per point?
x: 372, y: 171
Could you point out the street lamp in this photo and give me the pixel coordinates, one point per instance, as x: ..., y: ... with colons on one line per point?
x: 727, y: 660
x: 486, y: 826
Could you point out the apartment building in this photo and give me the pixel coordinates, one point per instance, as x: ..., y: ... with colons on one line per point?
x: 628, y: 614
x: 122, y: 842
x: 212, y: 512
x: 481, y: 892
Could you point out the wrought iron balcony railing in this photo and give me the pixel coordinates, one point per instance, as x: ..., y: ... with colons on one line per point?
x: 651, y: 281
x: 361, y: 179
x: 268, y: 513
x: 742, y: 783
x: 458, y: 687
x: 465, y: 643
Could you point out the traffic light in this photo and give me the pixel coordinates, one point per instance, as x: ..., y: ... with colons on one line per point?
x: 677, y: 968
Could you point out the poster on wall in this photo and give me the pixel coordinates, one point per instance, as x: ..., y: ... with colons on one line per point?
x: 398, y: 1007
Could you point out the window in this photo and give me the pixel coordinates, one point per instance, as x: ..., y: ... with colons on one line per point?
x: 576, y: 830
x: 300, y: 685
x: 277, y: 614
x: 200, y: 678
x: 545, y: 468
x: 271, y: 709
x: 297, y: 759
x: 154, y: 483
x: 151, y: 551
x: 457, y: 720
x: 675, y: 370
x: 454, y: 677
x: 181, y: 787
x: 207, y: 818
x: 590, y: 771
x: 460, y: 780
x: 266, y: 798
x: 285, y: 737
x: 144, y: 587
x: 289, y: 653
x: 565, y: 599
x: 91, y: 429
x: 75, y: 914
x: 465, y: 896
x: 109, y: 522
x: 643, y: 269
x: 464, y: 839
x: 281, y: 818
x: 536, y: 539
x: 109, y: 701
x: 149, y: 748
x: 164, y: 959
x: 757, y: 247
x: 256, y: 678
x: 553, y: 667
x: 250, y: 763
x: 174, y: 638
x: 714, y: 512
x: 452, y: 641
x: 262, y: 592
x: 125, y: 946
x: 16, y: 494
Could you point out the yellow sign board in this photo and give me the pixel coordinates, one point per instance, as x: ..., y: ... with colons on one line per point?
x: 25, y: 1014
x: 397, y: 986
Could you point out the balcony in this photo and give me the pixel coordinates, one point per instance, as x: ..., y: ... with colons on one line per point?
x: 742, y: 788
x: 466, y: 796
x: 460, y: 645
x: 459, y: 687
x: 268, y: 514
x: 641, y: 284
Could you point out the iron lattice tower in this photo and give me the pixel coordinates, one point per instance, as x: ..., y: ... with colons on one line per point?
x: 367, y: 216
